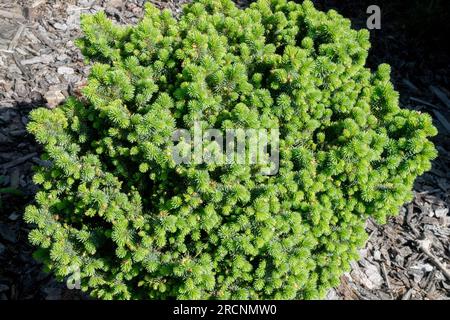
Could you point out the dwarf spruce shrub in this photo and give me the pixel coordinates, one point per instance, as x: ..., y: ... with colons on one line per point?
x: 114, y: 204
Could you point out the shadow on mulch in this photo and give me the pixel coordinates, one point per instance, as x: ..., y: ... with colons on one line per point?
x: 21, y: 277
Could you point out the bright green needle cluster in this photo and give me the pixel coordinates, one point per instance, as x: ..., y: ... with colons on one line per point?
x: 115, y: 204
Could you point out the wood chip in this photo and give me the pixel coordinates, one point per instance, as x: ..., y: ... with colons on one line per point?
x: 54, y: 98
x: 410, y: 85
x: 424, y: 246
x: 45, y: 58
x: 409, y: 214
x: 16, y: 38
x: 18, y: 161
x: 11, y: 15
x: 408, y: 294
x: 441, y: 95
x: 442, y: 120
x: 423, y: 102
x: 44, y: 39
x: 22, y: 69
x: 388, y: 282
x: 37, y: 3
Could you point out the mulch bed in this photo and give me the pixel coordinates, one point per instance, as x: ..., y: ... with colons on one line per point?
x: 408, y: 258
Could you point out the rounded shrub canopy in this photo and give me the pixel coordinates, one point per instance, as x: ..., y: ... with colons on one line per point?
x: 115, y: 205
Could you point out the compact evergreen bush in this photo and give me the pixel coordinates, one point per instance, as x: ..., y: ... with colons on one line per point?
x: 139, y: 226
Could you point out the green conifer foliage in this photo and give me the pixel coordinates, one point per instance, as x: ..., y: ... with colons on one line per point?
x: 114, y: 203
